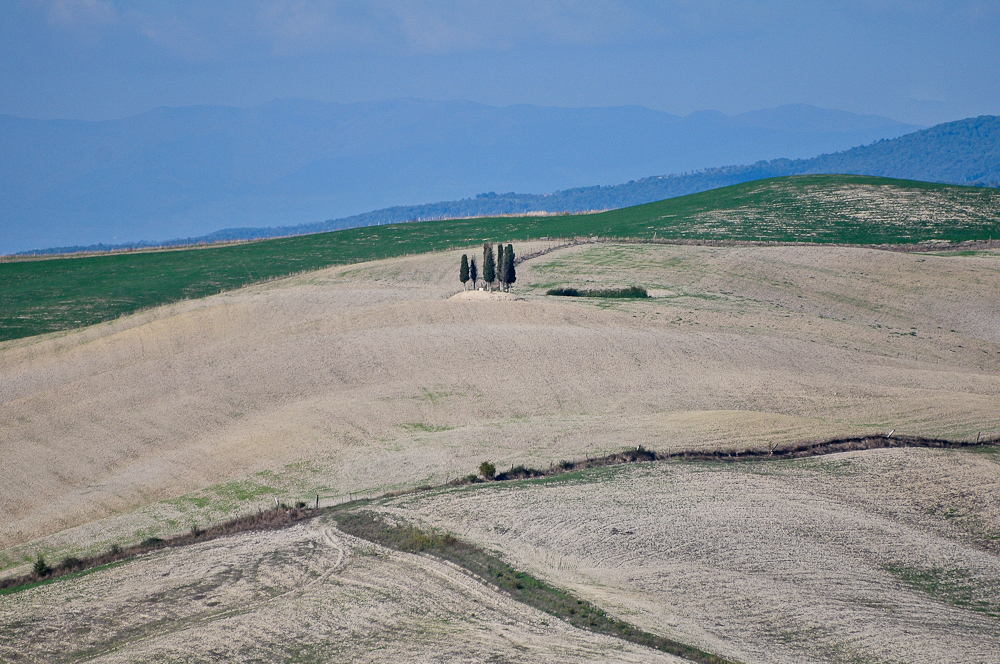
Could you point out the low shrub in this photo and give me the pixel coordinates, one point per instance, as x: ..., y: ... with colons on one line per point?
x: 519, y: 473
x: 263, y: 520
x: 632, y: 292
x: 71, y: 563
x: 468, y: 479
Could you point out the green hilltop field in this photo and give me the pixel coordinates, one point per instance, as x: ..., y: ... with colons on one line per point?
x: 53, y: 294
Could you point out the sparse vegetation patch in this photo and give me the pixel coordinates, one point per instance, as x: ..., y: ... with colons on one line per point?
x: 953, y: 586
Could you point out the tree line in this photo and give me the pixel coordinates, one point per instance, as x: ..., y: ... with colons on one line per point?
x: 495, y: 268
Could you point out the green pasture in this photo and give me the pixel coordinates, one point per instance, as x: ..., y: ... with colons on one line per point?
x: 52, y: 294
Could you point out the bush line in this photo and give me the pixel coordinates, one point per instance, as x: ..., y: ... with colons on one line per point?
x: 272, y: 519
x: 831, y: 446
x: 777, y: 452
x: 518, y: 585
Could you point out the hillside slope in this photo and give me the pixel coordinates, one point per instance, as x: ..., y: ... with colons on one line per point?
x: 849, y: 557
x: 372, y: 377
x: 856, y: 557
x: 56, y: 294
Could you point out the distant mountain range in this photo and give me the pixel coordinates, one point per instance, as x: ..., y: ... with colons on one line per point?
x: 185, y: 172
x: 964, y: 152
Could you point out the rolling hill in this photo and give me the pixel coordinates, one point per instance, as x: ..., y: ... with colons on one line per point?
x: 384, y: 376
x: 966, y: 152
x: 56, y: 294
x: 351, y: 370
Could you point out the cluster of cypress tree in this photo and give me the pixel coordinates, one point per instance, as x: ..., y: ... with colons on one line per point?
x: 495, y: 268
x: 507, y: 273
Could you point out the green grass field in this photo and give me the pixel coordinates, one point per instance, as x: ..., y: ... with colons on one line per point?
x: 47, y: 295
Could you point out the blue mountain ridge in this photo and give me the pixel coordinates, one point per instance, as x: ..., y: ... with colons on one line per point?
x: 964, y: 152
x: 186, y: 172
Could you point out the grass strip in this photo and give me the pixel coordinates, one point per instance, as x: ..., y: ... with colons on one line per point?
x: 632, y: 292
x: 519, y: 585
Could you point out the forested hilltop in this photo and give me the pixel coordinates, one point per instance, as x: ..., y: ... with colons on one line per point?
x: 188, y: 171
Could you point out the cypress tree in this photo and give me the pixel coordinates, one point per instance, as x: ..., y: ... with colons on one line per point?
x: 473, y: 272
x: 463, y: 271
x: 489, y: 264
x: 500, y: 267
x: 509, y: 273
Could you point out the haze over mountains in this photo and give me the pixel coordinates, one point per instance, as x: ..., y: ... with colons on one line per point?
x: 965, y: 152
x: 185, y: 172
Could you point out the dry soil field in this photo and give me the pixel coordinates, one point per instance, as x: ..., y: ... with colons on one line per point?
x: 380, y: 376
x: 881, y: 556
x: 373, y: 377
x: 304, y: 594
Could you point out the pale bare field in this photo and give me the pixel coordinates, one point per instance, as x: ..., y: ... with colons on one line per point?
x: 928, y: 210
x: 373, y: 377
x: 879, y: 556
x: 304, y: 594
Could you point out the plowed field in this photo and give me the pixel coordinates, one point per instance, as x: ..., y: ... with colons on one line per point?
x: 305, y: 594
x: 373, y: 377
x: 881, y: 556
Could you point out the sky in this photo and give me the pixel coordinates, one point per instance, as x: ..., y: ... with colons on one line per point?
x: 919, y: 62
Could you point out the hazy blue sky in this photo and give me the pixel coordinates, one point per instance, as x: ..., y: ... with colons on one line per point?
x: 920, y: 62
